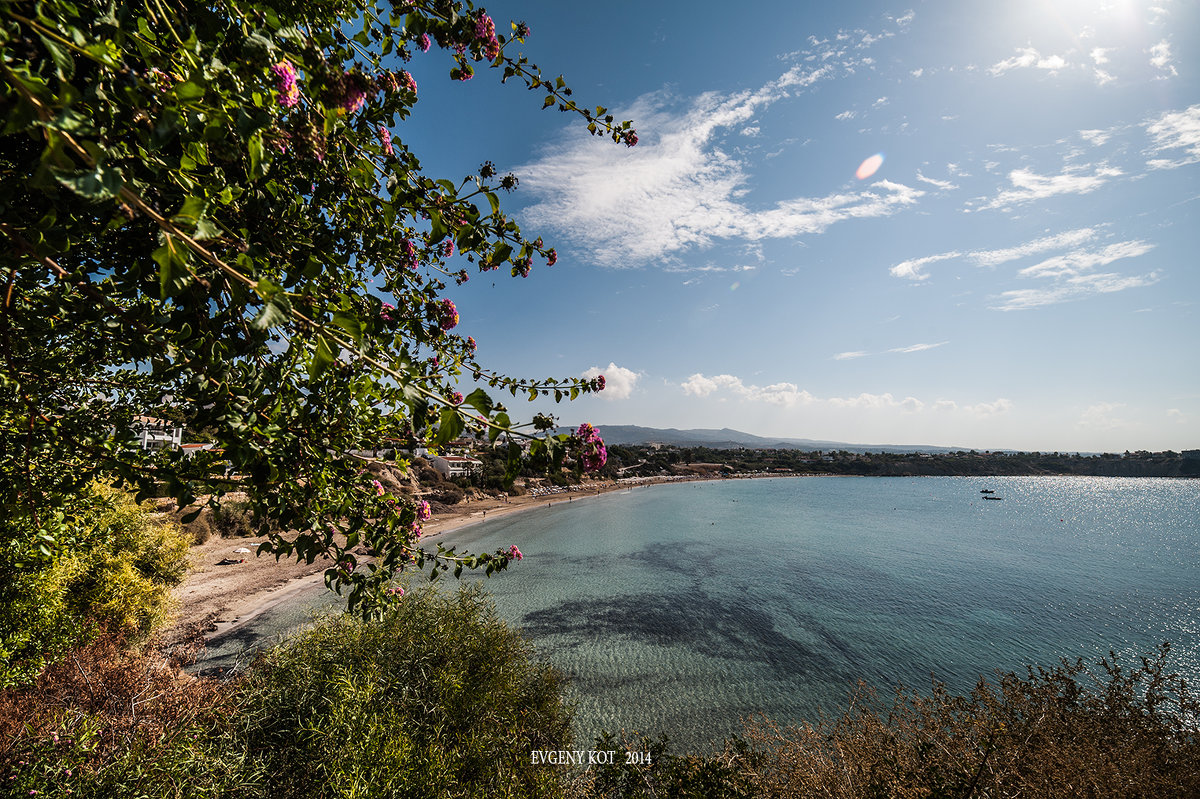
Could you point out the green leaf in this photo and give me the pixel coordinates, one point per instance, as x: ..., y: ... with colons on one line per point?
x: 323, y: 355
x: 275, y: 313
x: 173, y: 274
x: 62, y: 59
x: 98, y: 184
x: 260, y: 158
x: 480, y: 401
x: 450, y: 426
x: 350, y: 324
x: 189, y: 90
x: 500, y: 254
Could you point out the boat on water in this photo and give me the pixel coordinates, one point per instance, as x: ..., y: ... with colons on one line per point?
x: 995, y: 498
x: 986, y: 491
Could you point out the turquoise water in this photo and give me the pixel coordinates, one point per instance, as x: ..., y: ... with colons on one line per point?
x: 681, y: 609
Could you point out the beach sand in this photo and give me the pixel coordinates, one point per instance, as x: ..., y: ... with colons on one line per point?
x: 215, y: 599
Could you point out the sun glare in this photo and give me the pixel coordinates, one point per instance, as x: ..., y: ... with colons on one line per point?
x: 869, y: 167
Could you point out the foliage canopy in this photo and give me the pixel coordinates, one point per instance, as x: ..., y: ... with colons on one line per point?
x: 209, y: 210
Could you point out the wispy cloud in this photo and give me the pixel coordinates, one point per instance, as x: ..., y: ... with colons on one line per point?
x: 1080, y: 261
x: 847, y: 356
x: 1175, y: 130
x: 1160, y: 59
x: 913, y: 269
x: 1028, y: 186
x: 727, y: 386
x: 1071, y: 288
x: 682, y: 188
x: 944, y: 185
x: 918, y: 347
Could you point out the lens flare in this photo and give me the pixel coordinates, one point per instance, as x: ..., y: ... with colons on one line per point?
x: 868, y: 167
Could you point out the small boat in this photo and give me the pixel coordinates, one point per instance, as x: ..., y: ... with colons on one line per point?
x: 986, y: 491
x: 995, y: 498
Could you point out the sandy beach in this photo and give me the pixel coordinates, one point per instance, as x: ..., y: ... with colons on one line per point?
x: 215, y: 599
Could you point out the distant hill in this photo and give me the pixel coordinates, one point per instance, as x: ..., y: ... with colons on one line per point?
x: 735, y: 439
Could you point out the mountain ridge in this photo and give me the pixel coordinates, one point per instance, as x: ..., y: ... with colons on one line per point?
x: 728, y: 438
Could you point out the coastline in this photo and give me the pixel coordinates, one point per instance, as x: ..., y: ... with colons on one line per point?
x: 214, y: 601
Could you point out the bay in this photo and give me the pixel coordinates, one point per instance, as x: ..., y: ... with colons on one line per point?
x: 682, y: 609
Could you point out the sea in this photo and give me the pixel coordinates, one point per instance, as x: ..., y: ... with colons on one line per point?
x: 683, y: 609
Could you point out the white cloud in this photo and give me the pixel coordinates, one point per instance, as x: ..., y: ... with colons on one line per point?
x: 1102, y: 77
x: 1176, y: 130
x: 882, y: 101
x: 681, y: 189
x: 1072, y: 288
x: 1080, y: 261
x: 846, y: 115
x: 619, y: 382
x: 788, y: 394
x: 1095, y: 137
x: 1100, y: 55
x: 1029, y: 186
x: 1028, y: 57
x: 918, y: 72
x: 912, y: 269
x: 1100, y: 417
x: 944, y: 185
x: 1177, y: 415
x: 1160, y: 59
x: 918, y: 347
x: 846, y: 356
x: 1069, y: 238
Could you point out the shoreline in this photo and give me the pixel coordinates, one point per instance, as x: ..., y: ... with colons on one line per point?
x: 214, y: 601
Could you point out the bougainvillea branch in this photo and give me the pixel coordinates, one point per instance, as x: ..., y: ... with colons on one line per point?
x: 210, y: 212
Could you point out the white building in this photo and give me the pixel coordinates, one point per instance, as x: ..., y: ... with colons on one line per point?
x: 456, y: 465
x: 155, y: 433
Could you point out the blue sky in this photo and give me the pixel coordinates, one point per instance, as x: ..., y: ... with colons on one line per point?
x: 1019, y: 272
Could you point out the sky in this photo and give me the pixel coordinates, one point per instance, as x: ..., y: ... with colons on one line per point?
x: 943, y: 223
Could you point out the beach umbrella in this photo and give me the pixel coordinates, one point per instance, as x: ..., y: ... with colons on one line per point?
x: 241, y: 550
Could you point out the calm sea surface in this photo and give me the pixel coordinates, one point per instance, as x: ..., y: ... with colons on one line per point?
x: 680, y: 609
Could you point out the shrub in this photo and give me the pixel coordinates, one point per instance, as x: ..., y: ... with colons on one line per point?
x: 439, y: 698
x: 115, y: 572
x: 235, y: 520
x: 1063, y: 732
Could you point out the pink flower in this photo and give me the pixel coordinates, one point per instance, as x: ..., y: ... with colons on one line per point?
x: 485, y: 33
x: 285, y: 83
x: 385, y: 136
x: 395, y: 591
x: 598, y: 383
x: 513, y: 552
x: 386, y: 313
x: 448, y: 248
x: 456, y: 398
x: 447, y: 315
x: 424, y: 512
x: 424, y: 42
x: 408, y: 82
x: 592, y: 450
x: 378, y: 488
x: 408, y: 258
x: 630, y: 138
x: 551, y: 258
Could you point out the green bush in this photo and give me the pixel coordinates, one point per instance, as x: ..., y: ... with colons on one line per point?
x: 440, y: 698
x: 115, y: 571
